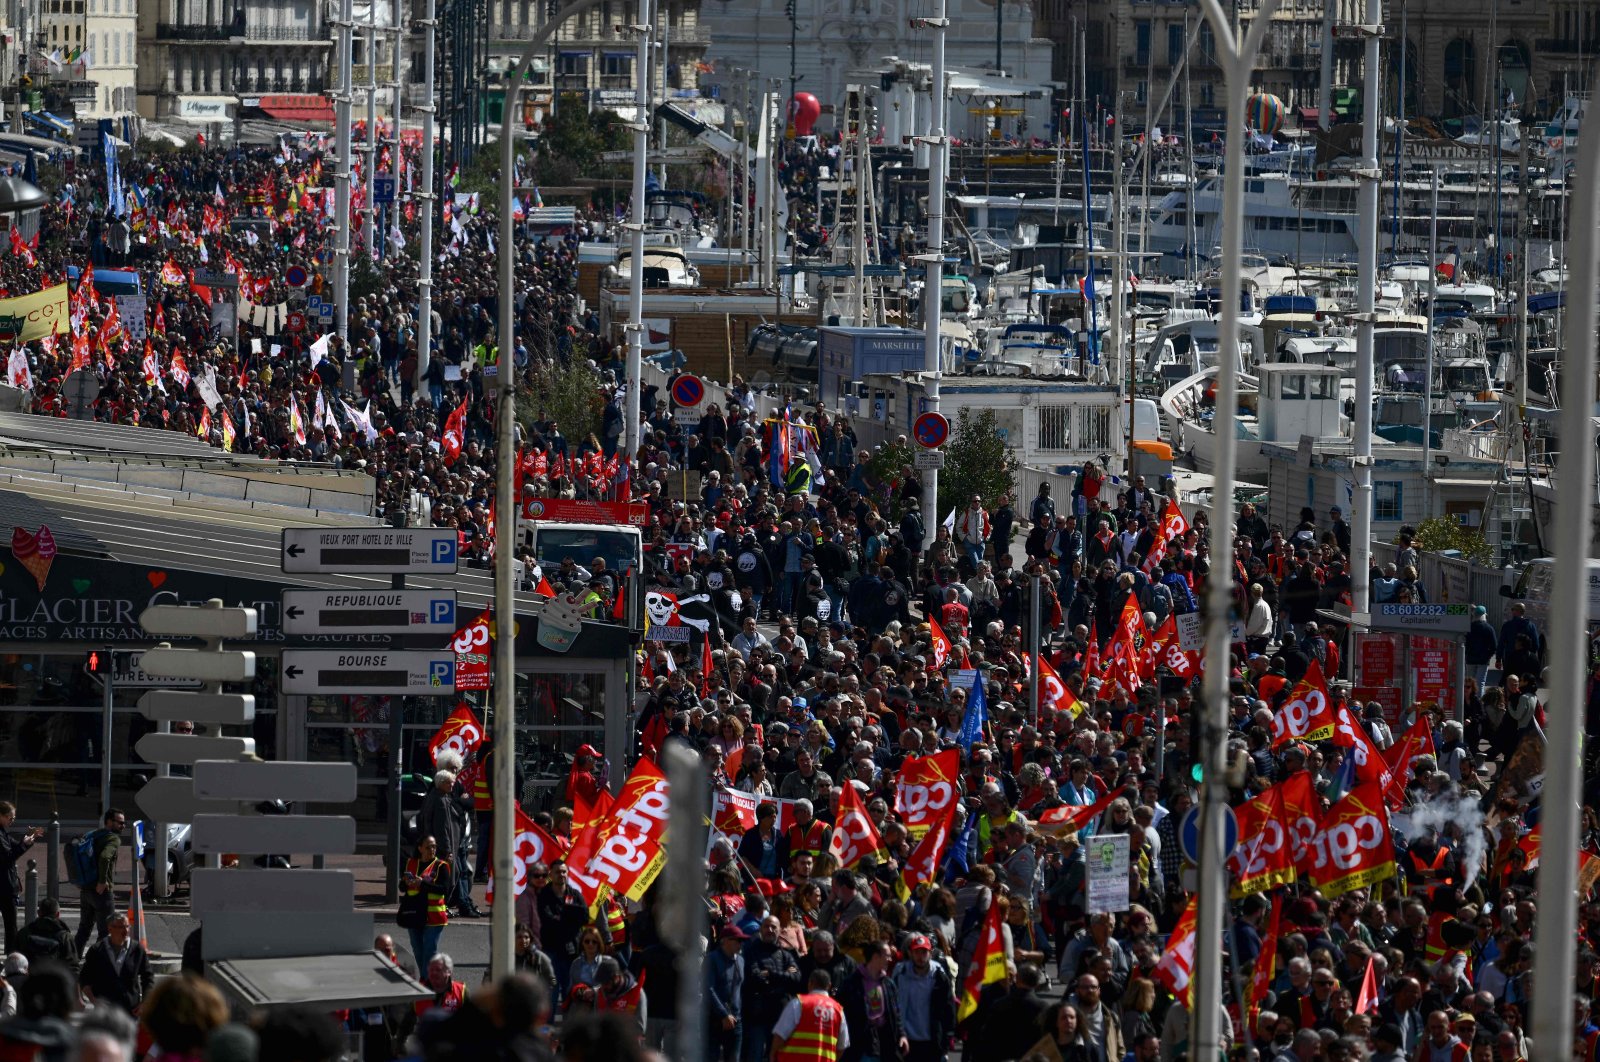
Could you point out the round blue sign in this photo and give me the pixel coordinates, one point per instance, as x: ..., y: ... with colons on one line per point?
x: 931, y: 430
x: 688, y: 391
x: 1189, y: 833
x: 295, y: 276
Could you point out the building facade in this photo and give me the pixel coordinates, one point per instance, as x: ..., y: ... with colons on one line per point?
x: 1459, y: 58
x: 838, y: 40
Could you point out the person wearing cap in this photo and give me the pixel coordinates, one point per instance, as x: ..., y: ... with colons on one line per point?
x: 1481, y: 645
x: 617, y: 991
x: 724, y: 983
x: 927, y: 1001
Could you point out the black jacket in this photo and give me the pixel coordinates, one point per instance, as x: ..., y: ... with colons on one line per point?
x: 866, y: 1040
x: 771, y: 976
x: 1010, y: 1027
x: 48, y: 938
x: 11, y: 853
x: 126, y: 987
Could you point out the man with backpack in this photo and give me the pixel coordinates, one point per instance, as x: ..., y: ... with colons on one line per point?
x: 92, y: 861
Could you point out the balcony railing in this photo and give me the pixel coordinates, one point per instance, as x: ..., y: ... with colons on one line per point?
x: 168, y: 32
x: 284, y: 33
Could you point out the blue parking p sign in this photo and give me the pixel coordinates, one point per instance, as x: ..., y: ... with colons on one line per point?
x: 383, y: 188
x: 442, y: 673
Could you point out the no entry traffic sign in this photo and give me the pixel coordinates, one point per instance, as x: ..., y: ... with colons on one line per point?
x: 688, y: 391
x: 931, y: 430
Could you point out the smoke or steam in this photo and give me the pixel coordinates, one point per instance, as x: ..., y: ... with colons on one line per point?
x: 1459, y: 820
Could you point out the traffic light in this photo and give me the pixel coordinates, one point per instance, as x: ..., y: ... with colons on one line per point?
x: 98, y: 663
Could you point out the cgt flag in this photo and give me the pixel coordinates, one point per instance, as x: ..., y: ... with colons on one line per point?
x: 1059, y: 822
x: 925, y: 791
x: 1353, y: 848
x: 473, y: 644
x: 1266, y: 964
x: 460, y: 733
x: 1176, y: 967
x: 854, y: 837
x: 1264, y: 857
x: 988, y: 964
x: 922, y: 866
x: 1308, y: 714
x: 531, y: 845
x: 629, y: 850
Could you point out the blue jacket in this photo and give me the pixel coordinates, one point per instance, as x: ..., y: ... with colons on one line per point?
x: 724, y: 984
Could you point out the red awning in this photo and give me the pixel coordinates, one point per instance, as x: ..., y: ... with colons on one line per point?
x: 298, y: 108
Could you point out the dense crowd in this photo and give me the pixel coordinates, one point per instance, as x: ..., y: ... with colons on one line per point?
x: 849, y: 658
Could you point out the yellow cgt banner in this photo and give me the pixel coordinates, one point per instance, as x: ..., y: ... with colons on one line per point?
x: 35, y: 316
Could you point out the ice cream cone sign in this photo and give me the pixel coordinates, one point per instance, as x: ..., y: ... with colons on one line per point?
x: 36, y: 551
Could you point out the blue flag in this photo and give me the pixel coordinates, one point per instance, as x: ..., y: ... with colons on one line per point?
x: 976, y: 717
x: 958, y: 859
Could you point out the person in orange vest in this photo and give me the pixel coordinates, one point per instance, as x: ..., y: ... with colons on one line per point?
x: 1429, y: 864
x: 425, y: 887
x: 809, y: 834
x: 448, y: 993
x: 812, y: 1026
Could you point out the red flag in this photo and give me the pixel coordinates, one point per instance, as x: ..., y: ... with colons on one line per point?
x: 1417, y: 741
x: 171, y: 275
x: 544, y: 589
x: 1176, y: 966
x: 1307, y: 715
x: 942, y: 647
x: 1069, y: 819
x: 1266, y: 963
x: 1367, y: 998
x: 1054, y: 694
x: 1301, y: 809
x: 988, y: 964
x: 1350, y: 734
x: 854, y: 835
x: 707, y: 665
x: 1353, y: 847
x: 1125, y: 651
x: 530, y: 845
x: 619, y: 606
x: 923, y: 863
x: 455, y: 429
x: 925, y: 789
x: 1264, y: 857
x: 460, y: 733
x: 474, y: 644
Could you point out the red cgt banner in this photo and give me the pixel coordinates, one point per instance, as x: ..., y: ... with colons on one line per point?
x: 571, y: 511
x: 926, y: 790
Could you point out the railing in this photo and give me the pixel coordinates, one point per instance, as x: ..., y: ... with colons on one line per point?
x: 1453, y: 580
x: 283, y: 33
x: 169, y: 32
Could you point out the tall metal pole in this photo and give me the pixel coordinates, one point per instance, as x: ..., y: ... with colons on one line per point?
x: 1205, y: 1020
x: 1553, y: 959
x: 1433, y: 320
x: 933, y: 289
x: 683, y: 909
x: 641, y: 148
x: 425, y: 193
x: 502, y: 920
x: 369, y: 215
x: 108, y: 685
x: 1325, y: 77
x: 341, y: 178
x: 1366, y: 304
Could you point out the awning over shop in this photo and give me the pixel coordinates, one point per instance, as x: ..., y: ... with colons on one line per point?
x: 298, y: 108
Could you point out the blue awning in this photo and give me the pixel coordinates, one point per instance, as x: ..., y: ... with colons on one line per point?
x: 50, y: 122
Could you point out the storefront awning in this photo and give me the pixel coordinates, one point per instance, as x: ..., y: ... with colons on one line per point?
x: 297, y: 108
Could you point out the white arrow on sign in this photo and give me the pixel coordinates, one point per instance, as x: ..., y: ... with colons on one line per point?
x: 174, y: 706
x: 191, y: 748
x: 172, y: 800
x: 397, y: 550
x: 369, y: 611
x: 255, y: 834
x: 332, y: 783
x: 225, y: 666
x: 419, y: 673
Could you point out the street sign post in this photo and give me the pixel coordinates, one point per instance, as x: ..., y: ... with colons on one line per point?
x: 688, y: 391
x: 383, y: 188
x: 930, y: 430
x: 369, y: 612
x: 256, y: 834
x: 191, y: 748
x: 1189, y: 833
x: 170, y: 706
x: 418, y: 673
x: 173, y: 800
x: 400, y: 551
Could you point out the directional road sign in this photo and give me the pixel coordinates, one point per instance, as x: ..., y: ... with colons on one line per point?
x: 227, y: 666
x: 418, y: 673
x: 930, y: 430
x: 189, y: 621
x: 128, y: 674
x: 173, y: 800
x: 190, y: 748
x: 198, y: 707
x: 1189, y: 833
x: 255, y: 834
x: 323, y: 783
x: 688, y: 391
x: 412, y: 551
x: 369, y: 612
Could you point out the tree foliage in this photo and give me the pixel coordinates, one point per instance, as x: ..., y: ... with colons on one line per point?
x: 569, y: 395
x: 1439, y: 533
x: 571, y: 143
x: 976, y: 461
